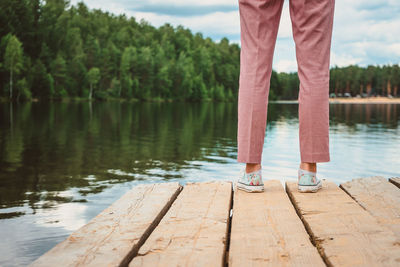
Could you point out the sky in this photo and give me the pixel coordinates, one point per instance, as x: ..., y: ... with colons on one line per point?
x: 364, y: 31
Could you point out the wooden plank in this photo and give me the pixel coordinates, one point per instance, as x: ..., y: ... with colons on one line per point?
x: 266, y: 231
x: 194, y: 230
x: 114, y: 236
x: 345, y: 233
x: 395, y: 181
x: 379, y: 197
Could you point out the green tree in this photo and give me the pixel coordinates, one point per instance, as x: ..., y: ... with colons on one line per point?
x: 115, y: 87
x: 145, y: 72
x: 395, y: 78
x: 13, y: 59
x: 41, y: 82
x: 183, y: 77
x: 219, y: 93
x: 93, y: 78
x: 370, y: 78
x: 127, y: 70
x: 387, y: 79
x: 360, y: 79
x: 59, y: 70
x: 23, y: 91
x: 275, y: 87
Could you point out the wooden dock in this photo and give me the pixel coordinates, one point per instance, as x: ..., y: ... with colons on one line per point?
x: 213, y: 224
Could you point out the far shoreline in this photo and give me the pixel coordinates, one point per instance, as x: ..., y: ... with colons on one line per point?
x: 351, y: 100
x: 335, y: 100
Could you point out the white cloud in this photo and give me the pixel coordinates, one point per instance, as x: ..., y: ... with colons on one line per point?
x: 395, y: 50
x: 366, y: 32
x: 285, y: 25
x: 217, y: 23
x: 193, y: 2
x: 343, y: 60
x: 285, y: 65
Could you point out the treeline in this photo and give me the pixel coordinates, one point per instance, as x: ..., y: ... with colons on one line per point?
x: 353, y: 80
x: 52, y: 49
x: 49, y: 49
x: 372, y: 80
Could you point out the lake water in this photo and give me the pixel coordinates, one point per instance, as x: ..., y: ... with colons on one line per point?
x: 63, y: 163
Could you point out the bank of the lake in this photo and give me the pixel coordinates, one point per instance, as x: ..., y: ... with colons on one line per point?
x: 352, y: 100
x: 341, y: 100
x: 109, y: 99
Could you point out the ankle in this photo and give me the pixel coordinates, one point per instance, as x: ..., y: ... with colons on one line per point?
x: 252, y: 167
x: 309, y: 166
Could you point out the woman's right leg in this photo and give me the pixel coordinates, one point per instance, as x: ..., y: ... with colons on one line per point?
x: 259, y: 23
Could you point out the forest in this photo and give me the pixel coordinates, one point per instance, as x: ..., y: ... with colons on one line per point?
x: 54, y: 50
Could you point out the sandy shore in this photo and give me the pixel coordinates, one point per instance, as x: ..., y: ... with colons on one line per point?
x: 368, y: 100
x: 354, y: 100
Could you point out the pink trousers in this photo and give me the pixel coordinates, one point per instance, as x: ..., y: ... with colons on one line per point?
x: 312, y: 32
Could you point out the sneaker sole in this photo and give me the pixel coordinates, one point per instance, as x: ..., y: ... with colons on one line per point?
x: 309, y: 188
x: 250, y: 188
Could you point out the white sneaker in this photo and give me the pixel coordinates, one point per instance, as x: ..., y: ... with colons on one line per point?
x: 250, y: 182
x: 308, y: 181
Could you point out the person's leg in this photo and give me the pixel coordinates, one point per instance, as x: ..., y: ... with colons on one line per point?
x: 312, y: 31
x: 259, y: 23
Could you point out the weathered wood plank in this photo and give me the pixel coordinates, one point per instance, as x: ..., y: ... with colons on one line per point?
x: 379, y: 197
x: 395, y: 181
x: 194, y: 230
x: 114, y: 236
x: 345, y: 233
x: 266, y: 231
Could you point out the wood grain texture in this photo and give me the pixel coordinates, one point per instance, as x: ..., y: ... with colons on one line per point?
x: 395, y: 181
x: 194, y: 230
x: 266, y: 231
x: 114, y: 236
x: 344, y: 232
x: 379, y: 197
